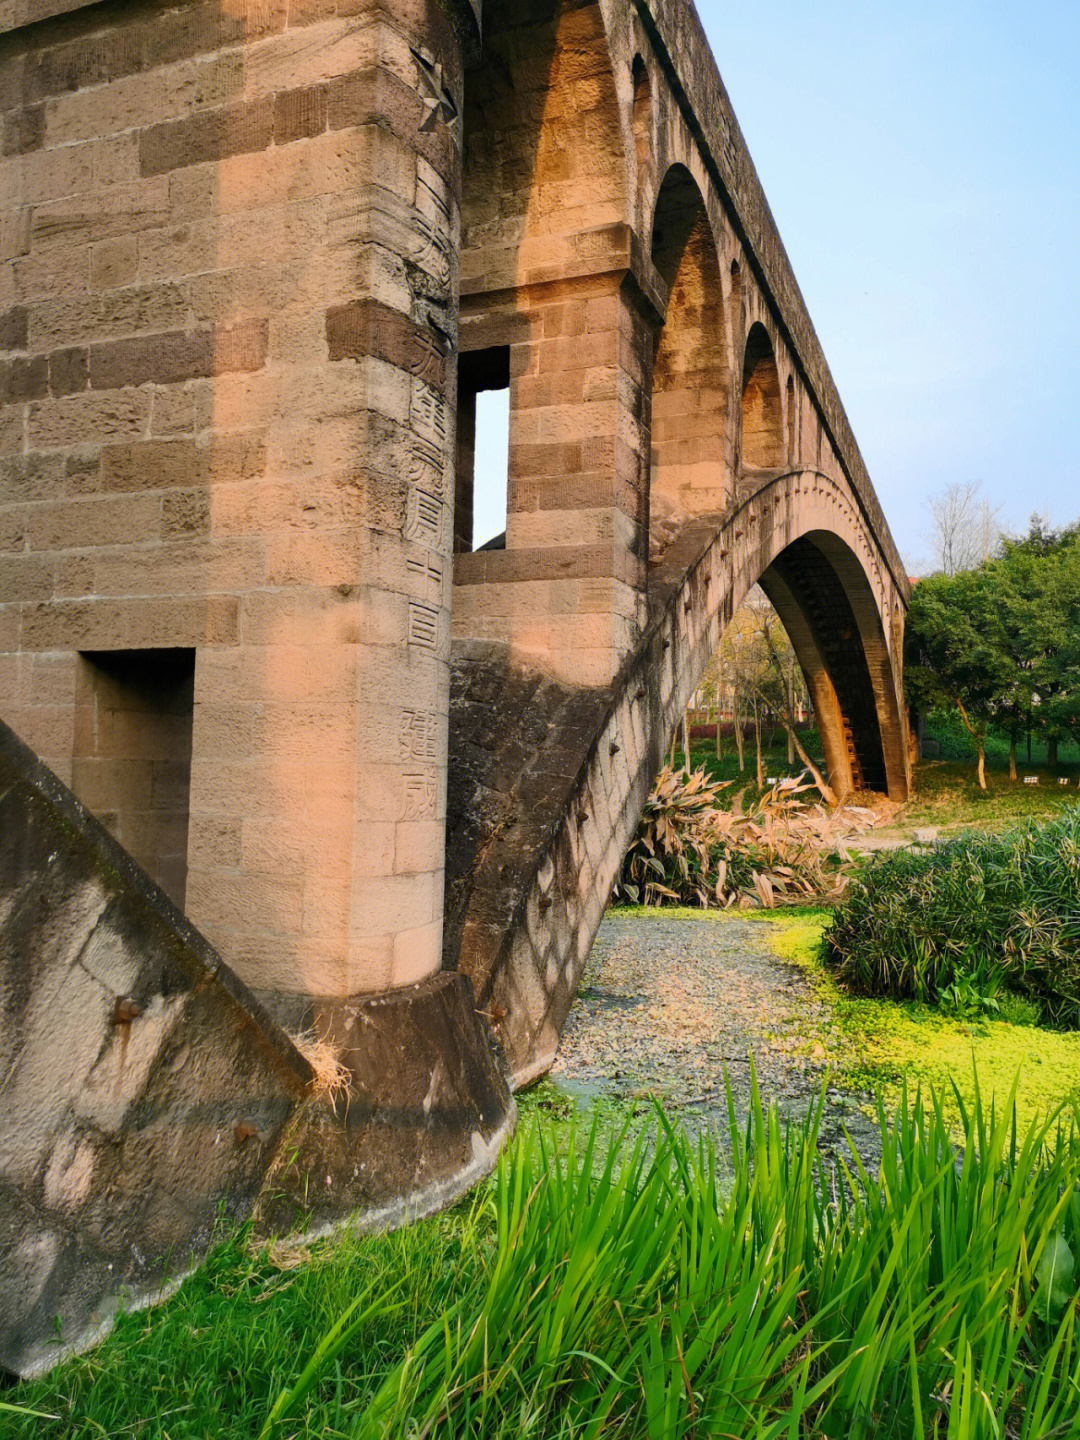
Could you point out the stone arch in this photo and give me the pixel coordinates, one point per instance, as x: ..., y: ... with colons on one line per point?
x: 816, y: 585
x: 804, y: 540
x: 543, y: 157
x: 642, y: 111
x: 690, y: 453
x: 762, y: 423
x: 525, y: 925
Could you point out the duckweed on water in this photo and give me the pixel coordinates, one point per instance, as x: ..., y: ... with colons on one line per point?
x: 879, y: 1042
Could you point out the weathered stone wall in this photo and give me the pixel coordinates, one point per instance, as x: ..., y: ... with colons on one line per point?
x: 228, y: 280
x: 548, y: 271
x: 142, y: 1093
x: 660, y: 357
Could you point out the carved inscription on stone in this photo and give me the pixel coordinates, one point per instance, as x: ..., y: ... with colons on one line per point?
x: 418, y: 738
x: 424, y: 468
x: 430, y: 252
x: 423, y: 625
x: 428, y: 416
x: 430, y: 246
x: 424, y: 517
x: 420, y: 797
x: 428, y: 357
x: 426, y: 567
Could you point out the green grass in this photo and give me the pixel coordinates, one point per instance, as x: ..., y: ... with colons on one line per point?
x: 946, y: 730
x: 207, y: 1364
x: 642, y: 1285
x: 674, y: 912
x: 880, y: 1043
x: 946, y: 793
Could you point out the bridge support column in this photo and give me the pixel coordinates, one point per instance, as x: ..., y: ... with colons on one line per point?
x: 568, y: 592
x: 319, y: 775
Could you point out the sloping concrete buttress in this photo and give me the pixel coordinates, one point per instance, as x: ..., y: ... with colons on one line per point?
x: 148, y: 1102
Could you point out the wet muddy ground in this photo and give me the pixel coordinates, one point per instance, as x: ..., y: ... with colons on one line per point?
x: 667, y: 1004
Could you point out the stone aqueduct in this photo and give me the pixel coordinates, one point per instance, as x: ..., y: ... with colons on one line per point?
x: 293, y: 756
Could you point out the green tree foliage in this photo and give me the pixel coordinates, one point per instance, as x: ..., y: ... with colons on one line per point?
x: 1001, y: 642
x: 1040, y: 594
x: 956, y: 652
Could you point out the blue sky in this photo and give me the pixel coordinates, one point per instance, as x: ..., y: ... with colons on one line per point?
x: 923, y: 164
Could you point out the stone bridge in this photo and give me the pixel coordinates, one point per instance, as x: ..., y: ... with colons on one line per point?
x: 364, y: 783
x: 675, y: 439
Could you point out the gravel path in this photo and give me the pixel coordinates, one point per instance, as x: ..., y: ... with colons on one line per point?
x: 666, y: 1004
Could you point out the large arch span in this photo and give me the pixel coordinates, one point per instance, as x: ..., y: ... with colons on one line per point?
x: 548, y: 780
x: 675, y: 439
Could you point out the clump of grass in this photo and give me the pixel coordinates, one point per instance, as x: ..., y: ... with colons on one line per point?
x: 332, y: 1078
x: 648, y: 1291
x: 975, y: 916
x: 210, y: 1361
x: 643, y: 1285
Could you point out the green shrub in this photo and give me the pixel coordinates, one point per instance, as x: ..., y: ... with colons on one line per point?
x: 643, y: 1288
x: 1018, y: 1011
x: 969, y: 921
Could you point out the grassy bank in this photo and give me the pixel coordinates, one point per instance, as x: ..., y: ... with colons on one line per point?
x: 946, y: 792
x: 640, y: 1286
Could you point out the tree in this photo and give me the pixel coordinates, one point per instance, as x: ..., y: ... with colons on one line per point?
x: 755, y: 672
x: 964, y: 527
x: 1040, y: 587
x: 786, y: 711
x: 956, y: 650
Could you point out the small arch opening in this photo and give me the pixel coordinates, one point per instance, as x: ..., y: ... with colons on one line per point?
x: 642, y: 114
x: 679, y: 207
x: 690, y: 430
x: 762, y: 418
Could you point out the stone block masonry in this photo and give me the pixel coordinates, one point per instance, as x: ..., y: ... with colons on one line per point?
x: 230, y: 263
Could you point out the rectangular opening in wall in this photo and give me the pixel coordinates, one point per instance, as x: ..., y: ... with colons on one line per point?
x: 132, y: 760
x: 483, y: 458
